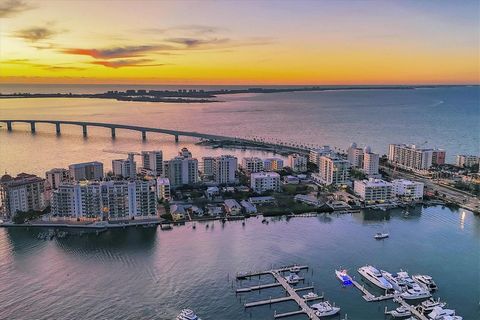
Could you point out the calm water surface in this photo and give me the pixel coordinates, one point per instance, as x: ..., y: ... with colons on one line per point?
x: 148, y: 274
x: 443, y: 117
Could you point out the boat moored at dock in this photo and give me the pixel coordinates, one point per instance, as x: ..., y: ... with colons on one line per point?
x: 400, y: 312
x: 416, y: 293
x: 325, y: 309
x: 425, y: 281
x: 343, y: 276
x: 374, y: 276
x: 429, y: 304
x: 439, y: 313
x: 292, y: 278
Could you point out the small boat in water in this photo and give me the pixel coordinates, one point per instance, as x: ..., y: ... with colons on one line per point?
x: 310, y: 295
x: 187, y: 314
x: 381, y: 235
x: 425, y: 281
x: 325, y: 309
x: 343, y: 276
x: 292, y: 278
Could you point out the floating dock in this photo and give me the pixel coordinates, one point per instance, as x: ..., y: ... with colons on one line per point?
x: 290, y: 291
x: 370, y: 297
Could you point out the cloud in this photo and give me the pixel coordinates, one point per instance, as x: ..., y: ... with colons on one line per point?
x: 196, y: 42
x: 11, y: 8
x: 194, y: 29
x: 127, y: 63
x: 119, y: 52
x: 35, y: 34
x: 30, y: 63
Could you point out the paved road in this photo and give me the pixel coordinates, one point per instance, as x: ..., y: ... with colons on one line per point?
x: 463, y: 198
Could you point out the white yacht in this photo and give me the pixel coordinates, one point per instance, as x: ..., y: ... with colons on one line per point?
x: 416, y: 293
x: 400, y: 312
x: 187, y: 314
x: 425, y: 281
x: 429, y: 304
x: 292, y: 278
x: 374, y: 276
x: 325, y: 309
x: 343, y: 276
x: 393, y: 279
x: 439, y: 313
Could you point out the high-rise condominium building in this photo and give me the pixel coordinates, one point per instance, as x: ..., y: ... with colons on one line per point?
x: 106, y: 199
x: 252, y: 164
x: 355, y: 156
x: 24, y: 192
x: 152, y: 163
x: 333, y: 170
x: 370, y: 162
x: 57, y: 176
x: 297, y: 162
x: 86, y: 171
x: 224, y: 168
x: 126, y: 168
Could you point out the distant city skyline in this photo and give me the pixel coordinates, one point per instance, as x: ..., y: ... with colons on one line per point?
x: 240, y: 42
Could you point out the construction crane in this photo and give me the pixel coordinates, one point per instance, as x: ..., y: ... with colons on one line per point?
x: 121, y: 152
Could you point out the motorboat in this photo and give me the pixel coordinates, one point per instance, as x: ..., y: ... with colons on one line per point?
x: 416, y: 293
x: 439, y: 313
x: 381, y: 235
x: 400, y: 312
x: 431, y: 303
x: 294, y: 269
x: 292, y: 278
x: 425, y: 281
x: 187, y: 314
x: 324, y: 309
x: 310, y: 295
x: 399, y: 280
x: 374, y: 276
x: 393, y: 279
x: 343, y: 276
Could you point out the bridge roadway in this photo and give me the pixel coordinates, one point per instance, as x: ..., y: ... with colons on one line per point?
x: 113, y: 127
x: 176, y: 133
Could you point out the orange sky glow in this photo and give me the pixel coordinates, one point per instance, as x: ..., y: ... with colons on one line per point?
x: 239, y: 42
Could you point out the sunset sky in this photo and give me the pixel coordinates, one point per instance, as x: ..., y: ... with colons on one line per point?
x: 240, y: 42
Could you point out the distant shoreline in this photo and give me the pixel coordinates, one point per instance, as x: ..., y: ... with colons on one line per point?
x: 202, y: 96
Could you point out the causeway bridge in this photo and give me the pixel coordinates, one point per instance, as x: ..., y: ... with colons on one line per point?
x: 144, y: 130
x: 113, y: 127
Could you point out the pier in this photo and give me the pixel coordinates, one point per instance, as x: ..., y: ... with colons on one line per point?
x: 292, y: 293
x: 370, y: 297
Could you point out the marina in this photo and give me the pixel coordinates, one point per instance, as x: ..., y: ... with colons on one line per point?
x: 292, y: 293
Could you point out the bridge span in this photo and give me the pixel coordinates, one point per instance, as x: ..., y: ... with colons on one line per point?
x: 143, y: 130
x: 113, y: 127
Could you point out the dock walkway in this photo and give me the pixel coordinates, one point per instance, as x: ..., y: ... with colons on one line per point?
x: 292, y: 293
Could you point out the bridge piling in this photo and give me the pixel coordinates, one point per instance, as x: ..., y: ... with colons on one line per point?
x: 144, y: 135
x: 9, y: 126
x: 176, y: 138
x: 32, y: 126
x: 85, y: 130
x: 113, y: 133
x: 57, y: 128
